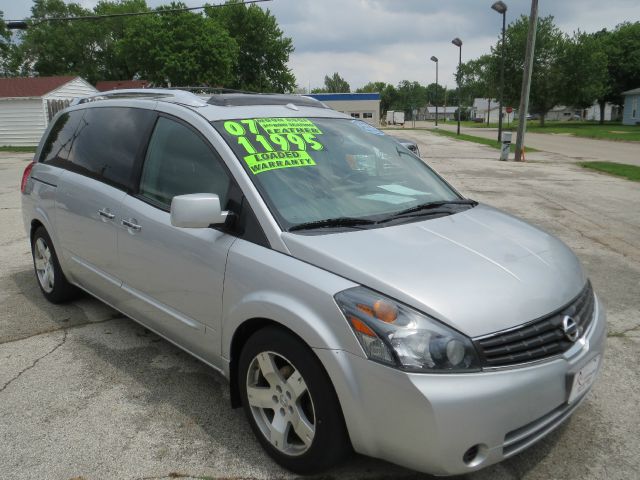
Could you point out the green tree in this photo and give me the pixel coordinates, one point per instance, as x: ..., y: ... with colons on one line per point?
x: 435, y: 94
x: 336, y: 84
x: 5, y: 48
x: 263, y: 50
x: 480, y: 78
x: 56, y: 47
x: 409, y: 96
x: 622, y: 49
x: 180, y: 49
x: 112, y: 61
x: 584, y: 70
x: 546, y: 82
x: 232, y: 46
x: 387, y: 93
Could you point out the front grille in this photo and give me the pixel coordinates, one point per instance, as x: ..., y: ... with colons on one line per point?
x: 540, y: 338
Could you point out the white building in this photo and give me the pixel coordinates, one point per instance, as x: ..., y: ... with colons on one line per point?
x: 444, y: 113
x: 611, y: 112
x: 28, y: 104
x: 365, y: 106
x: 486, y: 109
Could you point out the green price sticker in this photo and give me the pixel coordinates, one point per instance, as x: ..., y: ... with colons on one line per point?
x: 263, y: 162
x: 279, y: 126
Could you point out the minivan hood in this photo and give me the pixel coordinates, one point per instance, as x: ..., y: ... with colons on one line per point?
x: 479, y: 271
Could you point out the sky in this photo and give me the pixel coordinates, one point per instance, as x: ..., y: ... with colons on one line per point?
x: 393, y: 40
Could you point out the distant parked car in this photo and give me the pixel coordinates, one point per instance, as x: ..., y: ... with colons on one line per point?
x: 410, y: 144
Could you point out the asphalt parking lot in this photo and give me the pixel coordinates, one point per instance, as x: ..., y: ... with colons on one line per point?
x: 86, y: 393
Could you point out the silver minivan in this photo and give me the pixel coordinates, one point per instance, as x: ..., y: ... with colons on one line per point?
x: 353, y: 298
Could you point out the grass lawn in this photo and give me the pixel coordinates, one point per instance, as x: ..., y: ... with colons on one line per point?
x: 630, y: 172
x: 9, y: 148
x: 483, y: 141
x: 608, y: 131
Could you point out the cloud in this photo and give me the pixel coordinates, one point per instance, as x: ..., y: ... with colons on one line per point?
x: 392, y: 40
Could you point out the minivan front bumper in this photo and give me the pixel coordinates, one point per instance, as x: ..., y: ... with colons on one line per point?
x: 428, y: 422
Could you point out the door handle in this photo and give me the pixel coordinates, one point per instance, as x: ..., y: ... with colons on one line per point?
x: 106, y: 214
x: 131, y: 225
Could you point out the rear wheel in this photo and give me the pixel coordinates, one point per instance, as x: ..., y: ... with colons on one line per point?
x: 290, y: 402
x: 52, y: 282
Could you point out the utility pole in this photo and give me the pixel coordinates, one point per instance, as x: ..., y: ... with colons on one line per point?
x: 526, y: 79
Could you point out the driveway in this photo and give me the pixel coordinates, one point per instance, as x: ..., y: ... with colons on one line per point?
x: 572, y: 148
x: 87, y: 393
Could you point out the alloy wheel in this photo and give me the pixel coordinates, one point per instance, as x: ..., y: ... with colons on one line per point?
x: 281, y: 403
x: 44, y: 265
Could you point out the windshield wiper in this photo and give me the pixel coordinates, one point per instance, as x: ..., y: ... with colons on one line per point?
x: 431, y: 207
x: 333, y: 222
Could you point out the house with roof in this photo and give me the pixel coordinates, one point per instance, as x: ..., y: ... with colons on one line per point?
x: 444, y: 113
x: 106, y: 85
x: 631, y: 112
x: 27, y: 105
x: 485, y: 109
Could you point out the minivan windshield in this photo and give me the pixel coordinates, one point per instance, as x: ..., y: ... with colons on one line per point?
x: 332, y: 171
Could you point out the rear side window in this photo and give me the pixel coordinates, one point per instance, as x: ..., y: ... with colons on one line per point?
x: 108, y: 141
x: 178, y: 162
x: 61, y: 138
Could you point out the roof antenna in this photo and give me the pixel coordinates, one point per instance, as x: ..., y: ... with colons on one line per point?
x: 292, y: 106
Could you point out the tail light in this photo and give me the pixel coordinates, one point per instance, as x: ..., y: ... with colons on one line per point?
x: 25, y: 176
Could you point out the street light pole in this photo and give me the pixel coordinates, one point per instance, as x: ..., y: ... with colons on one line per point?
x: 458, y: 43
x: 526, y: 79
x: 501, y: 8
x: 435, y: 59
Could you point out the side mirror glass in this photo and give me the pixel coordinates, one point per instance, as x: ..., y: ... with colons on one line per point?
x: 197, y: 210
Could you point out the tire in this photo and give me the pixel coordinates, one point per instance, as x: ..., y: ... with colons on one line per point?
x: 294, y: 399
x: 51, y: 280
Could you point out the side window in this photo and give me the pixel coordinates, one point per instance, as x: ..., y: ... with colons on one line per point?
x: 180, y: 162
x: 108, y: 141
x: 61, y: 138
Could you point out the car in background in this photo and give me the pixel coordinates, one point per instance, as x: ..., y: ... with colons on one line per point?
x: 409, y: 144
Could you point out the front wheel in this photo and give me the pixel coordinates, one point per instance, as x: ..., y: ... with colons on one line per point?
x: 290, y: 402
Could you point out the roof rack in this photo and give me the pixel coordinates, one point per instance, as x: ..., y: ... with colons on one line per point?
x: 181, y: 97
x: 246, y: 99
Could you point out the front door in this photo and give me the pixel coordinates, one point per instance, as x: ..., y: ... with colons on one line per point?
x: 174, y: 276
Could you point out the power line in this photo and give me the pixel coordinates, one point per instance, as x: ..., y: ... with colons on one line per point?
x: 131, y: 14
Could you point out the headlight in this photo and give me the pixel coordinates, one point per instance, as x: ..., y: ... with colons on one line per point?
x: 394, y: 334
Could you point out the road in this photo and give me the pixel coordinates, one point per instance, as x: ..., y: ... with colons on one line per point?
x: 572, y: 148
x: 87, y: 393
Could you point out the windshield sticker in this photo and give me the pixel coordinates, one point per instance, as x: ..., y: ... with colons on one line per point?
x: 386, y: 198
x: 366, y: 127
x: 402, y: 190
x: 288, y: 125
x: 263, y: 162
x: 273, y: 143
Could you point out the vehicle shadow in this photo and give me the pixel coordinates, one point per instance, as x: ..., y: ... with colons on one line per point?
x: 25, y: 311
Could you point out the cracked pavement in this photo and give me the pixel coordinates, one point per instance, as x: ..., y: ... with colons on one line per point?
x: 86, y: 393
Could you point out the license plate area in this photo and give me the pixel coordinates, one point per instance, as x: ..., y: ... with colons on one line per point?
x: 583, y: 379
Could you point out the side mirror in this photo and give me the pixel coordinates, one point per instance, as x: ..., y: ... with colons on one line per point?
x: 197, y: 210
